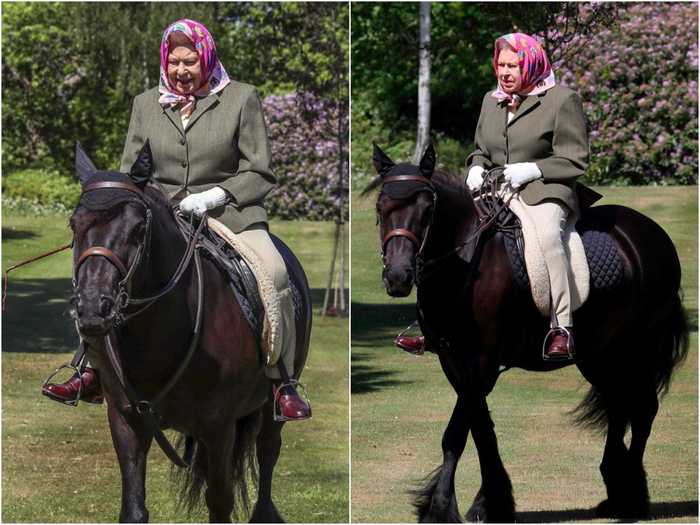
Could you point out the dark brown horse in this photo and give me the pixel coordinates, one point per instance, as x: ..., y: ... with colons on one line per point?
x: 479, y: 323
x: 222, y: 400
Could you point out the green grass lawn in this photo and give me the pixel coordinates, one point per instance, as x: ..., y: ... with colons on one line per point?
x: 58, y: 464
x: 401, y: 404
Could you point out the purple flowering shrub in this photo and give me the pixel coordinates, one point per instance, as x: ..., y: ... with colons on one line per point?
x: 639, y: 88
x: 305, y: 159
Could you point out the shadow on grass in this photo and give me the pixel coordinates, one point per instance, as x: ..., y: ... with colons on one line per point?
x: 366, y: 378
x: 377, y: 324
x: 11, y: 234
x: 658, y: 511
x: 36, y: 318
x: 692, y: 316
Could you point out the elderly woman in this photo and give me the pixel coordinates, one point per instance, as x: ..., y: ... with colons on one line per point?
x: 536, y: 129
x: 210, y: 151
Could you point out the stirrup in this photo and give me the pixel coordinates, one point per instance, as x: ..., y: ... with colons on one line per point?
x: 301, y: 392
x: 545, y: 344
x: 76, y: 369
x: 407, y: 329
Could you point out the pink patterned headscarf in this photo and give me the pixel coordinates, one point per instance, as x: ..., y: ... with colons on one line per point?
x: 535, y: 69
x: 213, y: 72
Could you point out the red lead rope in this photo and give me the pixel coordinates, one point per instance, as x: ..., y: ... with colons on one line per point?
x: 19, y: 265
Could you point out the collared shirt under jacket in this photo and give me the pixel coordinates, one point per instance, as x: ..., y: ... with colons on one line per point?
x: 548, y: 129
x: 224, y: 144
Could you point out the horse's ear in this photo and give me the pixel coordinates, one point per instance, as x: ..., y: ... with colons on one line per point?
x: 382, y: 163
x: 84, y: 168
x: 142, y: 169
x: 427, y: 162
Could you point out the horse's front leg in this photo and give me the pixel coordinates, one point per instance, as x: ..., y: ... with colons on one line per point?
x: 436, y: 502
x: 132, y: 442
x: 494, y: 501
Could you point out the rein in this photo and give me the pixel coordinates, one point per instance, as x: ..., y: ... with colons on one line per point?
x: 145, y: 409
x: 142, y: 407
x: 487, y: 209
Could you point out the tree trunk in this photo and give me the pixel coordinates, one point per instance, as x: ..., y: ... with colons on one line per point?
x: 423, y: 82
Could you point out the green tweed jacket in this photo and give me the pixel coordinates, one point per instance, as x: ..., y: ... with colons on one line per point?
x: 225, y: 144
x: 548, y: 129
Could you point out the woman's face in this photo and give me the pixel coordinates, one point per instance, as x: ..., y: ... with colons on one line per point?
x: 184, y: 66
x: 509, y: 71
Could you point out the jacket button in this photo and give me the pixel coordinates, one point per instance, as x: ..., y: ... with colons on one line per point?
x: 184, y: 163
x: 183, y: 141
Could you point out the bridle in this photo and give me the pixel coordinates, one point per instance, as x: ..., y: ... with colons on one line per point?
x: 487, y: 210
x: 144, y: 408
x: 123, y: 299
x: 402, y: 231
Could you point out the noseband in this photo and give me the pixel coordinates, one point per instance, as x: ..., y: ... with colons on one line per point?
x: 405, y: 232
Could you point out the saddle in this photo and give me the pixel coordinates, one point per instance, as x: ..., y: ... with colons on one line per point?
x: 241, y: 279
x: 595, y: 258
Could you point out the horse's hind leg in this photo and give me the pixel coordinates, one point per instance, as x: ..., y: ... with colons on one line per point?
x: 436, y: 502
x: 643, y: 414
x: 494, y: 501
x: 612, y: 466
x: 268, y: 450
x: 623, y: 469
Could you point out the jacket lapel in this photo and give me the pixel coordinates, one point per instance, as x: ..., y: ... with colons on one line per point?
x: 173, y: 115
x: 202, y: 106
x: 528, y: 105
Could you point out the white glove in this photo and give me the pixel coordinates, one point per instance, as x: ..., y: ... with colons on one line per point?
x: 198, y: 203
x: 475, y: 177
x: 521, y: 173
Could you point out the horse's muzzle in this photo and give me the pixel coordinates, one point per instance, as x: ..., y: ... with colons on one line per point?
x: 398, y: 281
x: 94, y: 316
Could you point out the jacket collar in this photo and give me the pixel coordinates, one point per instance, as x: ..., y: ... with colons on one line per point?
x: 526, y: 107
x: 202, y: 106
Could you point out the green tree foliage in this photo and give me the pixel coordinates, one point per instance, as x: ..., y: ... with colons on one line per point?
x: 385, y: 57
x: 71, y: 70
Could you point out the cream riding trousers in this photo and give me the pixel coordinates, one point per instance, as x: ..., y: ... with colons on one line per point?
x: 550, y: 219
x: 258, y: 239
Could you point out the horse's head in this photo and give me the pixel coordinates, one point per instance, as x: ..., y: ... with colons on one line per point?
x: 111, y: 227
x: 404, y: 212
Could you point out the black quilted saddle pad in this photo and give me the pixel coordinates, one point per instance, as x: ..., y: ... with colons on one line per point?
x: 604, y: 261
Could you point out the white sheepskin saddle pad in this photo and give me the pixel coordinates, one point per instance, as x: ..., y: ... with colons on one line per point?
x: 537, y: 269
x: 271, y: 340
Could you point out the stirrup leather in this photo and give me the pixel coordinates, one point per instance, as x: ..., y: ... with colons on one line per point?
x: 569, y: 347
x: 301, y: 392
x: 78, y: 371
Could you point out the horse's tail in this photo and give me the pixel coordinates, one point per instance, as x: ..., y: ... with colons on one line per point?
x: 666, y: 356
x: 191, y: 481
x: 674, y: 347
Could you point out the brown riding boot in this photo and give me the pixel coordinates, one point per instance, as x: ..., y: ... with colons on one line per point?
x: 290, y: 405
x: 561, y: 347
x: 412, y: 345
x: 67, y: 392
